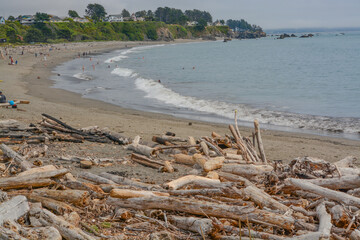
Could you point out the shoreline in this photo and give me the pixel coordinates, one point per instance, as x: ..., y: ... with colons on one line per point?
x: 22, y: 82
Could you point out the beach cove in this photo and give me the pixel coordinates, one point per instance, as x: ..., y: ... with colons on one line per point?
x: 30, y: 80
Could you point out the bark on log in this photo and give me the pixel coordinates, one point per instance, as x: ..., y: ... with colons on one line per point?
x: 13, y: 209
x: 259, y: 141
x: 77, y: 197
x: 206, y: 209
x: 23, y: 164
x: 190, y: 192
x: 192, y: 179
x: 126, y: 193
x: 67, y: 230
x: 328, y: 193
x: 202, y: 226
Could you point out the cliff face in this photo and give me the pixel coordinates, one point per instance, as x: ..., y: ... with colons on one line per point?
x: 164, y: 34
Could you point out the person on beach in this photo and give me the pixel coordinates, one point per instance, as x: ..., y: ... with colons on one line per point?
x: 2, y: 98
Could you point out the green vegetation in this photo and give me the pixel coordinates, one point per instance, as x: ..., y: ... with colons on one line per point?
x: 95, y: 11
x: 70, y: 31
x: 73, y: 14
x: 242, y: 25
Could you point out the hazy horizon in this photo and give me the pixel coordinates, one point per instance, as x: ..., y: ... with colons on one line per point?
x: 275, y: 14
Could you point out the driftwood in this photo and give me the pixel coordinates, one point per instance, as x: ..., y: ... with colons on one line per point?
x: 23, y: 164
x: 248, y: 170
x: 125, y: 193
x: 51, y: 204
x: 95, y: 178
x: 192, y: 179
x: 344, y: 182
x: 328, y: 193
x: 77, y: 197
x: 13, y: 209
x: 205, y: 208
x: 202, y: 226
x: 67, y: 230
x: 126, y: 181
x: 141, y: 149
x: 184, y: 159
x: 146, y: 161
x: 259, y: 141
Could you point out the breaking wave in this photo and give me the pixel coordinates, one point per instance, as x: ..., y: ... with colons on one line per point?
x: 156, y: 90
x: 124, y: 72
x: 83, y: 76
x: 124, y: 53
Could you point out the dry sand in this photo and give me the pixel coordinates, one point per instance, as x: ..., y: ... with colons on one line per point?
x: 21, y: 82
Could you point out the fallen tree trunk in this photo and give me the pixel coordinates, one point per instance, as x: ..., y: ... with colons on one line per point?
x: 206, y: 209
x: 247, y: 171
x: 13, y: 209
x: 51, y: 204
x: 328, y: 193
x: 192, y: 179
x: 344, y: 182
x: 259, y: 141
x: 126, y: 193
x: 95, y: 178
x: 77, y: 197
x: 146, y: 161
x: 46, y: 168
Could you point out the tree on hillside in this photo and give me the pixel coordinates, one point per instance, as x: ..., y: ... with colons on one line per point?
x: 197, y: 15
x: 141, y: 14
x: 41, y: 17
x: 240, y: 25
x: 222, y: 21
x: 34, y: 35
x: 73, y: 14
x: 125, y: 13
x: 95, y: 11
x: 11, y: 18
x: 170, y: 15
x: 150, y: 16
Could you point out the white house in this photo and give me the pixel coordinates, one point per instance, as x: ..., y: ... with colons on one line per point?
x: 133, y: 17
x: 81, y: 20
x: 2, y: 20
x: 27, y: 19
x: 191, y: 24
x: 114, y: 18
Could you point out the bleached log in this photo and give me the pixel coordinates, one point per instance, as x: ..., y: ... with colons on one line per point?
x: 208, y: 164
x: 38, y: 169
x: 51, y: 204
x: 344, y: 182
x: 192, y: 179
x: 324, y: 226
x: 262, y: 199
x: 349, y: 171
x: 259, y: 141
x: 184, y: 159
x: 95, y: 178
x: 355, y: 235
x: 23, y: 164
x: 205, y: 209
x: 328, y: 193
x: 67, y: 230
x: 214, y: 147
x: 234, y: 157
x: 142, y: 149
x: 204, y: 148
x: 38, y: 179
x: 248, y: 170
x: 190, y: 192
x: 202, y: 226
x: 77, y: 197
x: 241, y: 145
x: 46, y: 233
x: 13, y: 209
x: 235, y: 178
x: 348, y: 162
x: 168, y: 167
x: 126, y: 181
x: 127, y: 193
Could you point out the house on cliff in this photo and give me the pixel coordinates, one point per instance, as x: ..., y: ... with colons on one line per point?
x: 114, y: 18
x: 2, y: 20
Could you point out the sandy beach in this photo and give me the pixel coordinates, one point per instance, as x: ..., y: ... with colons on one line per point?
x: 30, y: 80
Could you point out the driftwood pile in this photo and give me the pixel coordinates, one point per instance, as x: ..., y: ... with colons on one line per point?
x: 231, y: 191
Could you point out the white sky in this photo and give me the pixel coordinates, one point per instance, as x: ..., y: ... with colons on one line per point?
x: 269, y: 14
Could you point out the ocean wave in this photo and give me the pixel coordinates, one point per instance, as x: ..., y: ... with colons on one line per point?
x: 124, y: 72
x: 124, y: 53
x: 83, y: 76
x: 93, y: 89
x: 156, y: 90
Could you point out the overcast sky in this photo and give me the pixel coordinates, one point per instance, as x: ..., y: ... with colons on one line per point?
x: 269, y: 14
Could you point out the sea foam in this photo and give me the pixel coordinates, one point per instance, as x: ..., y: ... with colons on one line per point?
x: 83, y: 76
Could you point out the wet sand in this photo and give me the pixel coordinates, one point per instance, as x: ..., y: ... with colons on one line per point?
x: 30, y: 80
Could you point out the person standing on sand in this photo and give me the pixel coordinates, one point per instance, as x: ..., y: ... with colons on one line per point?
x: 2, y: 98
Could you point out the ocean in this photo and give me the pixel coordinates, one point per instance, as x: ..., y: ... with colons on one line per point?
x: 309, y: 85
